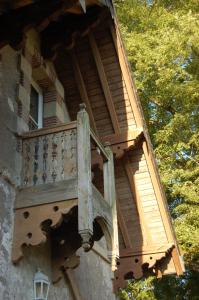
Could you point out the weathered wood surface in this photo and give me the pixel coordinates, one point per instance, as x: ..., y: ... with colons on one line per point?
x: 42, y: 204
x: 85, y: 214
x: 50, y: 156
x: 82, y: 89
x: 104, y: 82
x: 99, y: 76
x: 143, y: 214
x: 28, y: 228
x: 46, y: 193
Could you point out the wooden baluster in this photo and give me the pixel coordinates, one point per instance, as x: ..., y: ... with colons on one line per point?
x: 54, y: 157
x: 62, y: 154
x: 36, y: 163
x: 110, y: 197
x: 85, y: 209
x: 45, y: 158
x: 26, y: 163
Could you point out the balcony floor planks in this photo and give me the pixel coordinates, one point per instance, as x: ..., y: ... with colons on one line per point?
x: 46, y: 193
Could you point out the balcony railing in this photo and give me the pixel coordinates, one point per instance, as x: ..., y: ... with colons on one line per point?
x: 57, y: 167
x: 49, y: 155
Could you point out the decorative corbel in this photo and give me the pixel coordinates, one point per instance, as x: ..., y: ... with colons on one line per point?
x: 132, y: 265
x: 29, y: 229
x: 122, y: 143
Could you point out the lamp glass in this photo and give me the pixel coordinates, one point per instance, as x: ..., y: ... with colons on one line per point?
x: 41, y: 286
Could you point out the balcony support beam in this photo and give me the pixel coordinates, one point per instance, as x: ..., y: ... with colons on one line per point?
x: 85, y: 209
x: 46, y: 193
x: 110, y: 197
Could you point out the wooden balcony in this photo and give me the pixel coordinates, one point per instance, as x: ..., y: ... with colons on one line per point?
x: 56, y: 177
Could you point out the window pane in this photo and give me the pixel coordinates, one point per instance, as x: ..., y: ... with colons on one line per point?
x: 34, y: 104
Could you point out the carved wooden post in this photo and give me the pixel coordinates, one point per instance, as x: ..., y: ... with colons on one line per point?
x: 110, y: 197
x: 85, y: 209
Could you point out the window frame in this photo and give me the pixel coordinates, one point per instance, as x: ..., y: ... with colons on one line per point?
x: 40, y: 104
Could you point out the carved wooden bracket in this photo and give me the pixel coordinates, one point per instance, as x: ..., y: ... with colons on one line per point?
x: 34, y: 224
x: 136, y: 266
x: 30, y: 224
x: 121, y: 143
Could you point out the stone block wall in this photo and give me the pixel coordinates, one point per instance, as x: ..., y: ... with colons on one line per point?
x: 33, y: 68
x: 16, y: 282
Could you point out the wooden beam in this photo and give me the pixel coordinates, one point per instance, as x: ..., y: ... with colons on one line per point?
x: 126, y: 74
x: 158, y: 193
x: 147, y: 148
x: 162, y: 204
x: 104, y: 82
x: 69, y: 276
x: 46, y: 193
x: 131, y: 135
x: 123, y: 227
x: 82, y: 89
x: 17, y: 3
x: 137, y: 199
x: 122, y: 142
x: 85, y: 206
x: 49, y: 130
x: 178, y: 264
x: 145, y: 250
x: 98, y: 144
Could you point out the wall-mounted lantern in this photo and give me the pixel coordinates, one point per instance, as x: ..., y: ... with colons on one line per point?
x: 41, y: 286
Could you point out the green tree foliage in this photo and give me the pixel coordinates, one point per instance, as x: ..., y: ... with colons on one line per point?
x: 162, y: 42
x: 167, y: 288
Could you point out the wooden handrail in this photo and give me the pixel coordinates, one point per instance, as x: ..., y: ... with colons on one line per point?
x: 50, y: 130
x: 99, y: 145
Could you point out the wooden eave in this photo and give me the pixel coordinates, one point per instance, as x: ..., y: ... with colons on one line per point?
x: 68, y: 5
x: 147, y: 240
x: 17, y: 17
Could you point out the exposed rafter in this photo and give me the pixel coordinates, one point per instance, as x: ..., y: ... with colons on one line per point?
x: 104, y: 83
x: 14, y: 23
x: 124, y: 142
x: 82, y: 89
x: 71, y: 5
x: 16, y: 17
x: 135, y: 193
x: 123, y: 227
x: 66, y: 30
x: 158, y: 192
x: 126, y: 73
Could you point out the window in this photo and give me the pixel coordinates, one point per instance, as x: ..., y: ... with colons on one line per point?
x: 36, y: 107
